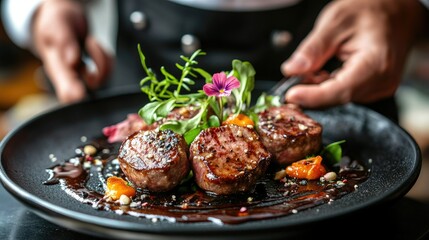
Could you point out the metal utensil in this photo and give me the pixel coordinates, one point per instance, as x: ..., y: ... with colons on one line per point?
x: 87, y: 64
x: 283, y: 85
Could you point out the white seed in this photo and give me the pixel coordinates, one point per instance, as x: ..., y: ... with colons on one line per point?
x: 302, y: 127
x: 280, y: 174
x: 86, y: 165
x: 330, y: 176
x: 135, y: 204
x: 89, y: 150
x: 340, y: 183
x: 75, y: 161
x: 124, y: 200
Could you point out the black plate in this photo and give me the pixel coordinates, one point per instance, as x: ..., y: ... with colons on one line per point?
x: 390, y: 152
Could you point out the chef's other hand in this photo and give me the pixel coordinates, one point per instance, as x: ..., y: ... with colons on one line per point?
x: 371, y: 38
x: 59, y: 32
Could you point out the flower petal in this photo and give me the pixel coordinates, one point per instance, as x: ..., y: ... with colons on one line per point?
x: 221, y: 86
x: 210, y: 89
x: 219, y: 79
x: 232, y: 83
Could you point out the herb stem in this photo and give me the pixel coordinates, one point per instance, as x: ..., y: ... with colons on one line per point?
x: 220, y: 109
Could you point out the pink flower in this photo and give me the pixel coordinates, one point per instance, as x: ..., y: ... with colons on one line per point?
x: 221, y: 86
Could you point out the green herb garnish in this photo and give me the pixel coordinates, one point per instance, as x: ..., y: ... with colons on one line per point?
x: 333, y: 152
x: 167, y: 94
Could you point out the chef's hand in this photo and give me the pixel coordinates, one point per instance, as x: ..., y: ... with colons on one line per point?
x: 371, y: 37
x: 59, y: 32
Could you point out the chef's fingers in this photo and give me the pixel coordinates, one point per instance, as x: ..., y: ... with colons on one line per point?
x: 99, y: 65
x: 62, y: 62
x: 310, y: 56
x: 58, y: 28
x: 330, y: 31
x: 355, y: 81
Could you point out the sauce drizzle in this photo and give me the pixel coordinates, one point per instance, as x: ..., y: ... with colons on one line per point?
x: 83, y: 177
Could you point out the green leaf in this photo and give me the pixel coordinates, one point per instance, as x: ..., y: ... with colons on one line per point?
x: 207, y: 76
x: 167, y: 74
x: 172, y: 125
x: 192, y: 134
x: 154, y: 111
x: 214, y: 121
x: 186, y: 87
x: 165, y: 108
x: 213, y: 103
x: 333, y: 152
x: 265, y: 101
x: 147, y: 112
x: 148, y: 71
x: 245, y: 73
x: 183, y: 126
x: 188, y: 81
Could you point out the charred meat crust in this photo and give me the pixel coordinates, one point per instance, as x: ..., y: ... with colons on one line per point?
x: 228, y: 159
x: 155, y: 159
x: 288, y: 133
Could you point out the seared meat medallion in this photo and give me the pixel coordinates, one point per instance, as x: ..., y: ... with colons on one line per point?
x: 155, y: 160
x: 288, y: 133
x: 228, y: 159
x: 225, y: 160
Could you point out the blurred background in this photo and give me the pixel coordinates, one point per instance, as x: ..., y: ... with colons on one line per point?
x: 24, y: 93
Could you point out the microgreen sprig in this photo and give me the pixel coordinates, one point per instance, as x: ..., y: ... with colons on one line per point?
x: 232, y: 89
x: 166, y: 94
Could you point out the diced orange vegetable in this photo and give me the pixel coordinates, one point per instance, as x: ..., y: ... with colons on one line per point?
x: 310, y: 168
x: 239, y: 120
x: 117, y: 186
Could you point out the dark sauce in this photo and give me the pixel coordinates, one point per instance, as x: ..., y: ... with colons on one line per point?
x: 83, y: 177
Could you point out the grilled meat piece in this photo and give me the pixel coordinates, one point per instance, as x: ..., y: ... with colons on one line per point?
x: 228, y: 159
x: 288, y: 133
x: 155, y: 160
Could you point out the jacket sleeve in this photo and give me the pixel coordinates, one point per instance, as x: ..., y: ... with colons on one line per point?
x: 17, y: 16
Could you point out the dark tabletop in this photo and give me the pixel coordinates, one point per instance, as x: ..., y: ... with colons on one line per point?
x: 404, y: 218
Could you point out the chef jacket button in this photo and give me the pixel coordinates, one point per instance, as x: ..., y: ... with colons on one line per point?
x: 281, y: 38
x: 190, y: 43
x: 139, y: 20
